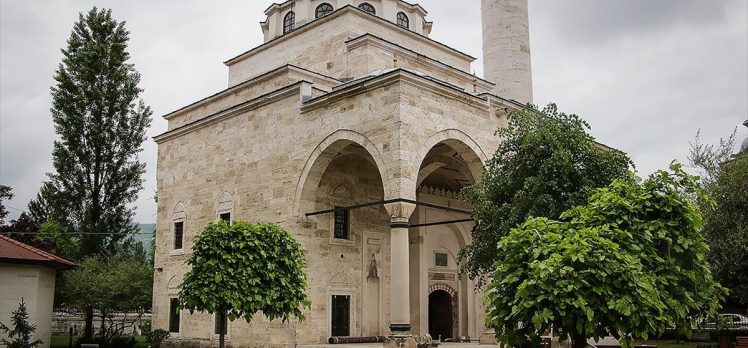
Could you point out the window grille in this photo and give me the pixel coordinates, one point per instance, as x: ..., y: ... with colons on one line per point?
x: 323, y: 10
x: 289, y: 22
x: 403, y: 21
x: 342, y: 222
x: 367, y: 7
x: 178, y: 235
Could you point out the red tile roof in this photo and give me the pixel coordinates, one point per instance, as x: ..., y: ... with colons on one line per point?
x: 13, y: 251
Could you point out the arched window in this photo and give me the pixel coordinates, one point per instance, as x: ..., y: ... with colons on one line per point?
x: 402, y: 20
x: 366, y: 7
x: 323, y: 10
x: 288, y: 22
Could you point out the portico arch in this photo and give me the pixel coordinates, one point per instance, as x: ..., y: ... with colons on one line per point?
x: 465, y: 149
x: 321, y: 157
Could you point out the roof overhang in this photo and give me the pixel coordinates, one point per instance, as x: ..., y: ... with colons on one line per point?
x: 390, y: 77
x: 257, y: 79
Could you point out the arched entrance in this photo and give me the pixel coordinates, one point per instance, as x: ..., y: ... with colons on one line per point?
x: 440, y: 315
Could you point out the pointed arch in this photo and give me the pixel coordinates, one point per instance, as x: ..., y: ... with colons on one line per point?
x: 466, y: 148
x: 321, y: 157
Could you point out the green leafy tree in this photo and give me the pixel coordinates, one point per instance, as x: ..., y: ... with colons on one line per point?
x: 5, y: 194
x: 725, y: 178
x: 63, y: 244
x: 24, y: 229
x: 101, y: 123
x: 547, y: 163
x: 630, y: 262
x: 111, y: 284
x: 20, y: 336
x: 243, y: 269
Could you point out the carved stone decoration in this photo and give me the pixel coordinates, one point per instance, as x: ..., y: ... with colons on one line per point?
x: 373, y: 273
x: 400, y: 211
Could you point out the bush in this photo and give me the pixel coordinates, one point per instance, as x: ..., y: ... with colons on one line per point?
x: 123, y: 342
x: 116, y: 342
x: 145, y: 328
x: 155, y: 337
x: 93, y: 340
x: 707, y: 345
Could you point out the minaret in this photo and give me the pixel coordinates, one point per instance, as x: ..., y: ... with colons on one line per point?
x: 506, y: 48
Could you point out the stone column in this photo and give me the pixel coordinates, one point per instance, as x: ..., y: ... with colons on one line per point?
x: 399, y: 270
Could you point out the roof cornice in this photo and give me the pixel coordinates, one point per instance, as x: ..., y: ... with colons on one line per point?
x: 265, y: 99
x: 409, y: 53
x: 392, y: 77
x: 257, y: 79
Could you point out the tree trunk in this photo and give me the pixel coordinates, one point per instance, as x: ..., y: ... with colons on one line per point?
x: 577, y: 341
x: 88, y: 330
x: 103, y: 325
x: 221, y: 329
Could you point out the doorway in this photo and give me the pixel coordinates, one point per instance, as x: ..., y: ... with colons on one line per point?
x: 440, y: 315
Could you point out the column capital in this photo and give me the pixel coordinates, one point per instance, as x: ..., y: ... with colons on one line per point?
x: 400, y: 211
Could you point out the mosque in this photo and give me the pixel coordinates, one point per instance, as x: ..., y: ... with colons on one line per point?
x: 355, y: 131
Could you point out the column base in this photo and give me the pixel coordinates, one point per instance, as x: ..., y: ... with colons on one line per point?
x: 401, y: 342
x: 488, y: 337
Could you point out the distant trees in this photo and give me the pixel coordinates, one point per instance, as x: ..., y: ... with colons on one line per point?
x: 5, y: 194
x: 547, y: 163
x: 725, y: 179
x: 239, y: 270
x: 630, y: 262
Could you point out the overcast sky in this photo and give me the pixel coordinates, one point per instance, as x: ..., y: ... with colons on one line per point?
x: 646, y: 74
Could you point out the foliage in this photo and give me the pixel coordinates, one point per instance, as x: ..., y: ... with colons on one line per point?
x: 547, y: 163
x: 630, y: 262
x: 24, y: 230
x: 5, y: 194
x: 123, y: 342
x: 725, y: 178
x: 156, y: 337
x: 101, y: 126
x: 110, y: 284
x: 63, y: 244
x: 20, y: 336
x: 243, y: 269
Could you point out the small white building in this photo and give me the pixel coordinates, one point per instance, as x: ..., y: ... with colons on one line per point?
x: 29, y: 273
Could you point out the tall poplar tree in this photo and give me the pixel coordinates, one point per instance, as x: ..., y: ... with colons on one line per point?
x: 101, y: 123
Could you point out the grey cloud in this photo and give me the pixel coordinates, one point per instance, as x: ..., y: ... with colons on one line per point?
x: 592, y: 22
x: 647, y: 74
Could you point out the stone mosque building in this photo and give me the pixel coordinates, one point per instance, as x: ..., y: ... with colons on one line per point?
x: 355, y: 131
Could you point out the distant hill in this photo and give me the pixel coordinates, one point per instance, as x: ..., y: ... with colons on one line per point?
x: 145, y: 235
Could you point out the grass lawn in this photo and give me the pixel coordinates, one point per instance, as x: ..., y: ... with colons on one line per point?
x: 61, y: 341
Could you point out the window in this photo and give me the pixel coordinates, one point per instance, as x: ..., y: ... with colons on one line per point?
x: 225, y: 217
x: 341, y: 223
x: 174, y: 315
x: 178, y: 235
x: 323, y: 10
x: 441, y: 260
x: 402, y: 20
x: 340, y: 316
x: 288, y: 22
x: 217, y: 324
x: 366, y: 7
